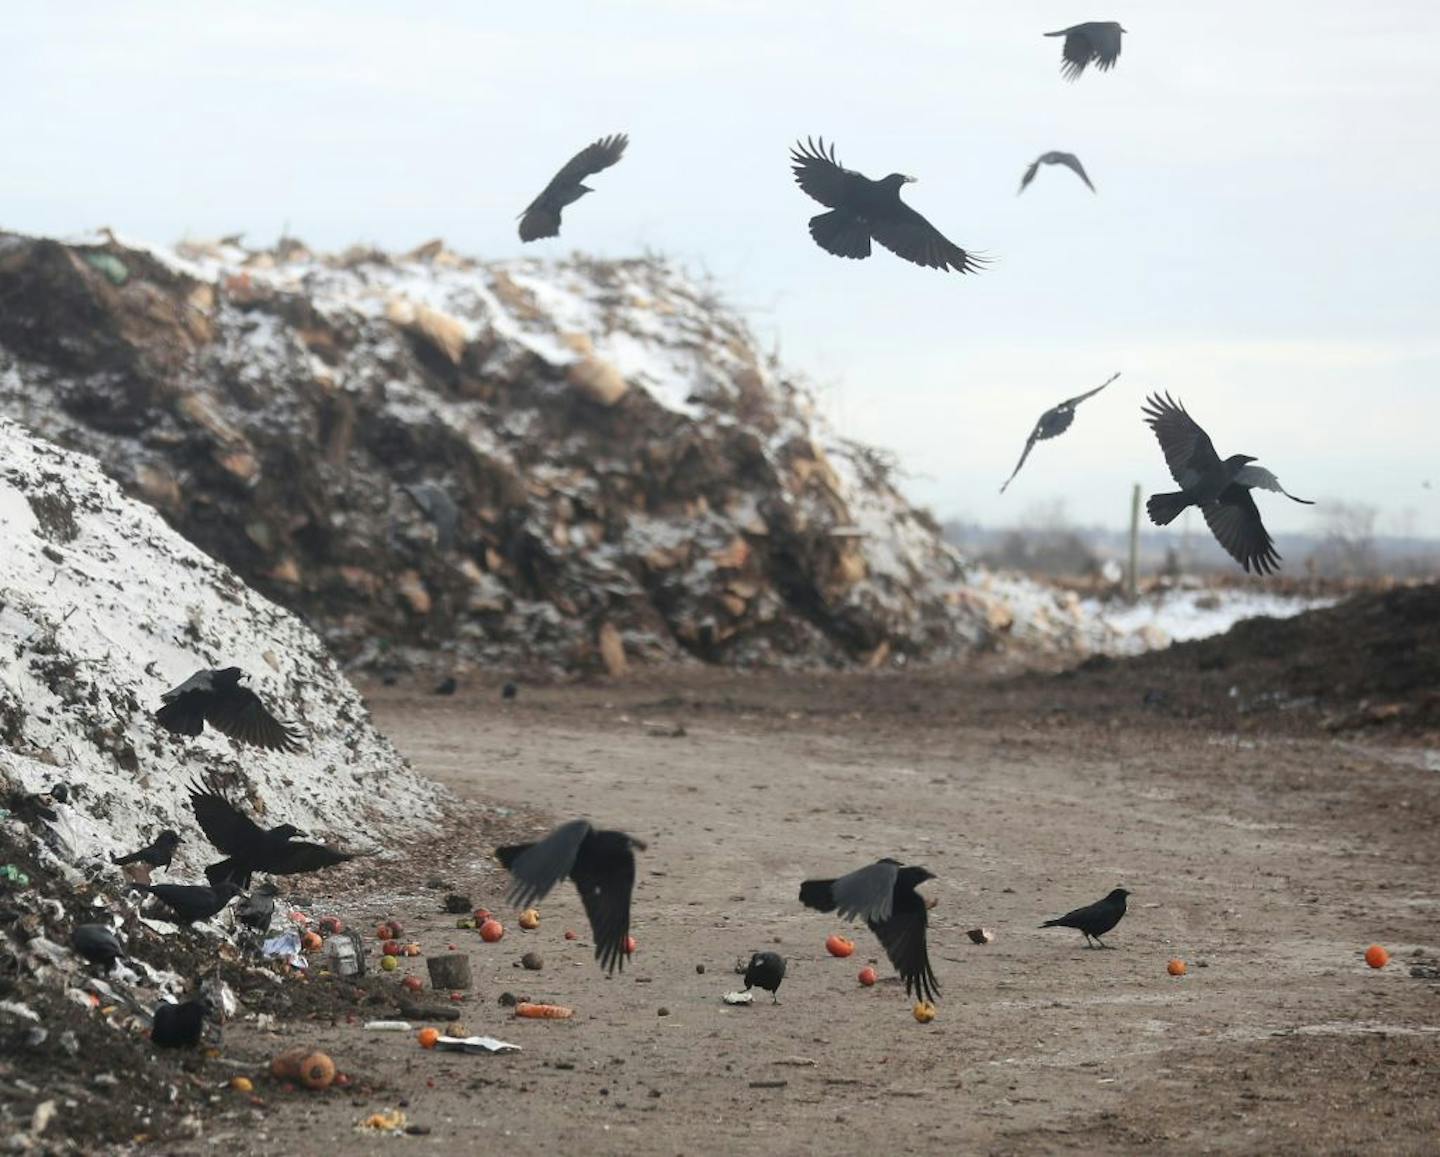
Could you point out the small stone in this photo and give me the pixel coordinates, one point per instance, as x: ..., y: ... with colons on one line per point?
x: 532, y: 961
x: 700, y: 969
x: 662, y: 1011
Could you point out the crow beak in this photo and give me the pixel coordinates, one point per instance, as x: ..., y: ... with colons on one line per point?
x: 911, y: 180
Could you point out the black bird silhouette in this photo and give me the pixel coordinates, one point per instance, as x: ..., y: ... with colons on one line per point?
x: 1069, y: 160
x: 217, y: 698
x: 31, y: 806
x: 1220, y: 489
x: 191, y: 902
x: 250, y: 848
x: 602, y: 864
x: 1094, y: 920
x: 542, y: 217
x: 98, y: 944
x: 884, y: 895
x: 509, y: 691
x: 179, y: 1026
x: 1054, y: 422
x: 1097, y: 42
x: 862, y: 209
x: 258, y: 908
x: 447, y: 686
x: 157, y: 854
x: 767, y: 969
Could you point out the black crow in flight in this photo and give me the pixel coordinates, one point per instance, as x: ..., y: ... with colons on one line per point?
x: 1052, y: 423
x: 862, y: 209
x: 1094, y: 920
x: 217, y: 698
x: 542, y: 217
x: 1069, y: 160
x: 884, y: 895
x: 1220, y: 489
x: 1097, y: 42
x: 601, y: 863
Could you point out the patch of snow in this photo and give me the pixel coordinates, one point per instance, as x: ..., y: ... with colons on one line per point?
x: 1180, y: 615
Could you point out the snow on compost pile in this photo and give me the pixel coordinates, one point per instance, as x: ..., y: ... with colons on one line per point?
x: 438, y: 459
x: 1178, y: 615
x: 102, y: 608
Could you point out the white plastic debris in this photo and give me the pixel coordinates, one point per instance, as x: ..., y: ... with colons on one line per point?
x: 221, y: 997
x: 739, y: 998
x: 475, y: 1044
x: 286, y: 946
x: 388, y: 1025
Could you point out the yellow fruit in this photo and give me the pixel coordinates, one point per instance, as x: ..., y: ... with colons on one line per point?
x: 530, y: 919
x: 242, y: 1084
x: 924, y: 1011
x: 389, y: 963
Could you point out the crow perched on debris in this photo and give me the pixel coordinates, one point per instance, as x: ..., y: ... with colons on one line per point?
x: 542, y: 217
x: 862, y: 209
x: 191, y: 902
x: 884, y: 895
x: 1052, y: 423
x: 766, y: 969
x: 177, y: 1026
x: 250, y: 848
x: 509, y: 691
x: 1069, y: 160
x: 258, y: 909
x: 1097, y: 42
x: 31, y: 806
x: 216, y: 697
x: 157, y: 854
x: 1094, y: 920
x: 98, y: 944
x: 1220, y: 489
x: 602, y: 864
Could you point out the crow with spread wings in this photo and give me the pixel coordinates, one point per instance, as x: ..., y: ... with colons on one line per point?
x: 1052, y: 423
x: 862, y: 210
x: 542, y: 217
x: 1096, y: 42
x: 216, y: 697
x: 1069, y: 160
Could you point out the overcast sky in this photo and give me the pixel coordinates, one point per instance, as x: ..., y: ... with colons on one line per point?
x: 1265, y: 243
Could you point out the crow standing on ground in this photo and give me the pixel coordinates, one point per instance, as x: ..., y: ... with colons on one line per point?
x: 257, y: 909
x: 1069, y: 160
x: 1052, y: 423
x: 542, y: 217
x: 1097, y: 42
x: 177, y: 1026
x: 98, y: 944
x: 191, y: 902
x: 601, y: 863
x: 216, y: 697
x: 884, y: 894
x: 862, y: 209
x: 1094, y: 920
x: 156, y: 855
x: 250, y: 848
x: 766, y: 969
x: 1220, y: 489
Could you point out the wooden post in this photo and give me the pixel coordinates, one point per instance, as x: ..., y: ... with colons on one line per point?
x: 1132, y: 586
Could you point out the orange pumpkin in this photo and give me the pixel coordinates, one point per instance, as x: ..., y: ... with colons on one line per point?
x: 491, y: 931
x: 427, y: 1037
x: 1376, y: 957
x: 1176, y: 967
x: 924, y: 1011
x: 839, y: 946
x: 867, y: 976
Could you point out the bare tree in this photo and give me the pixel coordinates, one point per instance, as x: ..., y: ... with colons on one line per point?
x: 1348, y: 546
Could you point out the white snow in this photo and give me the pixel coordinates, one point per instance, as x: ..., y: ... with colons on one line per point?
x: 103, y: 608
x: 1180, y: 615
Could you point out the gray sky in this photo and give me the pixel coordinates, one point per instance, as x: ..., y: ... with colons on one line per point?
x: 1265, y: 243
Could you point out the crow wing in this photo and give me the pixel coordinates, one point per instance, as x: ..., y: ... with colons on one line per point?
x: 907, y: 234
x: 1234, y: 520
x: 1072, y: 162
x: 604, y: 875
x: 819, y: 173
x: 588, y: 161
x: 1187, y: 448
x: 1028, y: 176
x: 1105, y: 44
x: 1077, y: 53
x: 228, y: 871
x: 225, y: 825
x: 1025, y: 453
x: 302, y: 856
x: 903, y: 937
x: 1075, y: 401
x: 185, y: 714
x: 237, y: 712
x: 536, y: 868
x: 868, y: 893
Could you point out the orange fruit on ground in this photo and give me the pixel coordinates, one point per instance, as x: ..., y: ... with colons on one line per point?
x: 867, y: 976
x: 924, y: 1011
x: 412, y: 983
x: 311, y: 942
x: 839, y: 946
x: 1376, y: 957
x: 630, y: 946
x: 491, y: 931
x: 530, y: 919
x: 391, y: 948
x: 1176, y: 967
x: 427, y: 1037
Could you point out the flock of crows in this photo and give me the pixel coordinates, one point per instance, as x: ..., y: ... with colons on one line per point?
x: 602, y: 863
x: 861, y: 211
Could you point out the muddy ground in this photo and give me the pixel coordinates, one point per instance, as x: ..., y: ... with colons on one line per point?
x: 1267, y: 863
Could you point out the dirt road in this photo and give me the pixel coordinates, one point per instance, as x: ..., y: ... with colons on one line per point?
x: 1267, y: 865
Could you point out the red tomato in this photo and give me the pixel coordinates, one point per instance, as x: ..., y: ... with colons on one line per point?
x: 839, y: 946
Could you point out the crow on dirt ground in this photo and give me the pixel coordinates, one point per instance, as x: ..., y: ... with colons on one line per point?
x: 767, y: 970
x: 157, y: 854
x: 1094, y: 920
x: 179, y: 1026
x: 98, y: 944
x: 191, y: 902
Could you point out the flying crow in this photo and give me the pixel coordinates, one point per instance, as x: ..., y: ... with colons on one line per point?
x: 250, y: 848
x: 862, y: 209
x: 1220, y: 489
x: 1097, y: 42
x: 1069, y: 160
x: 191, y: 902
x: 1052, y: 423
x: 156, y: 855
x: 97, y: 943
x: 542, y: 217
x: 1094, y: 920
x: 766, y: 969
x: 601, y: 863
x: 884, y: 895
x: 216, y: 697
